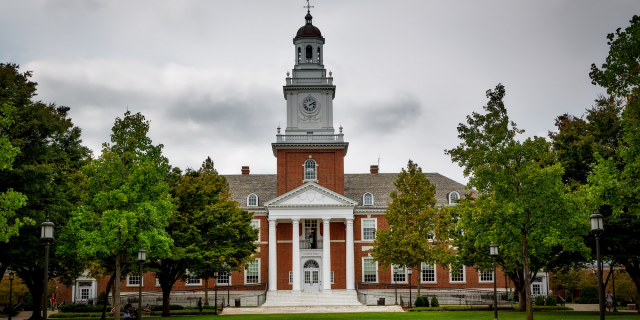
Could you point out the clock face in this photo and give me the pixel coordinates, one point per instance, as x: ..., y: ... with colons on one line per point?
x: 309, y: 104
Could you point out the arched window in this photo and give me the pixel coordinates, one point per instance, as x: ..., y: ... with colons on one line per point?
x: 252, y: 200
x: 311, y: 264
x: 299, y: 54
x: 318, y: 57
x: 310, y: 169
x: 309, y: 54
x: 367, y: 199
x: 453, y: 196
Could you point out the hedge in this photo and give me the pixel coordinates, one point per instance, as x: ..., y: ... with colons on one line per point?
x: 183, y: 312
x: 486, y: 308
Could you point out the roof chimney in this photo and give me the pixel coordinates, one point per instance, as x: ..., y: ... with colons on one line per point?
x: 245, y: 170
x: 374, y: 168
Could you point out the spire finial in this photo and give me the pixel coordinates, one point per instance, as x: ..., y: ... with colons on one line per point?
x: 308, y: 7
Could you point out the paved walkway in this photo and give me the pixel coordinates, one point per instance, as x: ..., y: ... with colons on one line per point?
x: 323, y: 309
x: 591, y: 307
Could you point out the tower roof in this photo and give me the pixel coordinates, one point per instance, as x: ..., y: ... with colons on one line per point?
x: 309, y: 30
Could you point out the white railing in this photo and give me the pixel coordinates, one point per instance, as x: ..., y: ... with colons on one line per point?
x: 310, y: 81
x: 310, y: 137
x: 306, y: 244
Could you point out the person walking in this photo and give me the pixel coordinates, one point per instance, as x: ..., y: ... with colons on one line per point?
x: 200, y: 306
x: 609, y: 298
x: 53, y: 302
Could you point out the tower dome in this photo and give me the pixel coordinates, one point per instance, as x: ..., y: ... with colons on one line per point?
x: 309, y: 30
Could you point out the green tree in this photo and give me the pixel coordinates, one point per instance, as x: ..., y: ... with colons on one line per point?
x: 523, y: 204
x: 129, y: 204
x: 210, y: 231
x: 414, y: 234
x: 46, y: 171
x: 10, y: 201
x: 567, y: 280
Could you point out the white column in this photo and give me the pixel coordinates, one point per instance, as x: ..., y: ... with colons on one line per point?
x: 351, y: 272
x: 295, y: 256
x: 273, y: 256
x: 326, y: 255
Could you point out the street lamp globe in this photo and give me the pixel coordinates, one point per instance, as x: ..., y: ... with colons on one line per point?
x: 493, y: 250
x: 142, y: 255
x: 409, y: 269
x: 596, y: 222
x: 11, y: 275
x: 215, y: 273
x: 46, y: 231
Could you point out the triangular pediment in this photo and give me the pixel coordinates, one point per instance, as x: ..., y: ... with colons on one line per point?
x: 311, y: 194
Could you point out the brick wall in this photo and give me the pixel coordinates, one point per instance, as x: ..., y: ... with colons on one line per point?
x: 330, y: 170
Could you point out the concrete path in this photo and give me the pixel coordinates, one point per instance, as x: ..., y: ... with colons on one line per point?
x: 591, y: 307
x: 321, y: 309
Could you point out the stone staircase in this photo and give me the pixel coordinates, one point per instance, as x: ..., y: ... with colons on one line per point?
x: 286, y: 298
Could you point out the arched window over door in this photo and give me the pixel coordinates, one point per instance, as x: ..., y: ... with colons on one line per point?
x: 311, y: 264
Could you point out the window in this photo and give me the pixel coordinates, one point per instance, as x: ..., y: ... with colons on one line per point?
x: 133, y: 280
x: 255, y: 223
x: 85, y: 294
x: 290, y: 277
x: 252, y: 200
x: 536, y: 289
x: 223, y: 278
x: 193, y: 279
x: 369, y: 229
x: 453, y: 196
x: 367, y: 199
x: 157, y: 281
x: 456, y: 274
x: 309, y: 54
x: 431, y: 235
x: 486, y: 276
x: 311, y: 264
x: 400, y: 275
x: 252, y: 272
x: 299, y: 54
x: 310, y: 169
x: 332, y: 277
x: 369, y: 270
x: 319, y: 61
x: 428, y: 273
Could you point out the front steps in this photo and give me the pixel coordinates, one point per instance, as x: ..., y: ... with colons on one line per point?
x: 286, y: 298
x: 318, y: 309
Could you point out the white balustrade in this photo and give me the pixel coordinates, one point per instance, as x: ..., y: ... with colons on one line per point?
x: 310, y: 137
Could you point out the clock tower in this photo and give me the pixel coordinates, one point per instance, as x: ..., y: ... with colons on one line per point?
x: 309, y: 136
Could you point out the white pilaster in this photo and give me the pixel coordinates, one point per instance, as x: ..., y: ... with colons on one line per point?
x: 351, y: 272
x: 326, y: 255
x: 273, y: 256
x: 295, y: 257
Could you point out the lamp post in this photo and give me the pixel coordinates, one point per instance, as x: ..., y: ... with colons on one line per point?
x: 493, y: 252
x: 46, y: 235
x: 228, y: 285
x: 596, y: 228
x: 395, y: 271
x: 215, y: 291
x: 10, y: 292
x: 142, y: 256
x: 409, y: 271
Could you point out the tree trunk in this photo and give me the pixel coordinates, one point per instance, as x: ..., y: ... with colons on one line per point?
x: 633, y: 269
x: 418, y: 283
x: 166, y: 296
x: 116, y: 296
x: 36, y: 294
x: 522, y: 302
x: 106, y: 299
x: 206, y: 291
x: 527, y: 275
x: 516, y: 278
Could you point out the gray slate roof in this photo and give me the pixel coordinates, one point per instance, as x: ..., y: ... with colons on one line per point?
x: 355, y: 186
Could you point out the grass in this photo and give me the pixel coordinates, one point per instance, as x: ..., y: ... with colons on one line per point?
x: 451, y: 315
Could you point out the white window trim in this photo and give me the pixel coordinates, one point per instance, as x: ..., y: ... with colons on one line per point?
x: 464, y: 276
x: 332, y: 278
x: 377, y: 275
x: 257, y: 200
x: 259, y: 273
x: 372, y: 199
x: 158, y: 282
x: 304, y: 171
x: 435, y: 274
x: 451, y: 203
x: 290, y: 277
x: 362, y: 229
x: 259, y: 227
x: 224, y: 284
x: 493, y: 276
x: 187, y: 284
x: 406, y: 276
x: 134, y: 285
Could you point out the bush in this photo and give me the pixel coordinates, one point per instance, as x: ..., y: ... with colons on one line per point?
x: 426, y: 301
x: 434, y: 302
x: 68, y: 307
x: 551, y: 301
x: 588, y: 295
x: 539, y: 301
x: 419, y: 302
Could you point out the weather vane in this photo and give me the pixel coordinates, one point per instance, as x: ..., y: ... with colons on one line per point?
x: 308, y: 7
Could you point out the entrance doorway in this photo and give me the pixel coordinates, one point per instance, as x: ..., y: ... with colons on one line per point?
x: 311, y: 276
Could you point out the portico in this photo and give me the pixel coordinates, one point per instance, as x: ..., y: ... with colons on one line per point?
x: 312, y: 210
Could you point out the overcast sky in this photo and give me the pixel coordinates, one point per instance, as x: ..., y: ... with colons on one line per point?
x: 209, y: 74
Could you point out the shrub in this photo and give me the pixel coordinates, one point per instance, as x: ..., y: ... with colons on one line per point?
x: 434, y: 302
x: 68, y: 307
x: 551, y: 300
x: 426, y: 301
x: 419, y: 302
x: 588, y: 295
x: 539, y: 301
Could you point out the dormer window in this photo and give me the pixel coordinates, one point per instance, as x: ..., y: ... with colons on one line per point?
x: 453, y: 197
x: 310, y: 170
x: 367, y: 199
x: 252, y: 200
